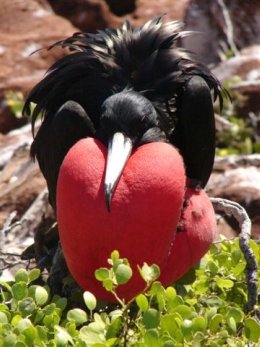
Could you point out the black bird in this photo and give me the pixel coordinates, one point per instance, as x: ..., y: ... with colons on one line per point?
x: 126, y: 87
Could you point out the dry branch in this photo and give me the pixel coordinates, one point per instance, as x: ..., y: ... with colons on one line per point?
x: 239, y: 213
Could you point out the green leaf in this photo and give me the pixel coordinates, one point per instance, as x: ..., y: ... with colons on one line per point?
x: 19, y: 290
x: 62, y: 337
x: 108, y: 285
x: 30, y: 333
x: 22, y: 276
x: 151, y: 318
x: 210, y: 313
x: 232, y: 324
x: 24, y: 324
x: 239, y: 269
x: 15, y: 320
x: 235, y: 313
x: 10, y: 340
x: 61, y: 303
x: 50, y: 320
x: 114, y: 328
x: 156, y: 288
x: 171, y: 325
x: 215, y: 323
x: 41, y: 295
x: 142, y: 302
x: 27, y: 306
x: 149, y: 273
x: 223, y: 283
x: 213, y: 267
x: 199, y: 324
x: 186, y: 328
x: 198, y: 339
x: 3, y: 318
x: 90, y: 300
x: 42, y: 333
x: 49, y: 309
x: 34, y: 274
x: 115, y: 256
x: 151, y: 339
x: 252, y: 330
x: 102, y: 274
x: 186, y: 312
x: 212, y: 301
x: 77, y: 315
x: 21, y: 344
x: 123, y: 273
x: 170, y: 293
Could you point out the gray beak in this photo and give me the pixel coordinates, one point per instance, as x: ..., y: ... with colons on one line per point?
x: 119, y: 150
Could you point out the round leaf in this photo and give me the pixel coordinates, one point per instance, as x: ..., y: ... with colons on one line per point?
x: 252, y: 329
x: 22, y: 276
x: 19, y: 290
x: 62, y: 337
x: 142, y: 302
x: 3, y: 318
x: 61, y: 303
x: 215, y: 322
x: 185, y: 311
x: 123, y: 273
x: 77, y: 315
x: 34, y: 274
x: 151, y: 318
x: 186, y: 328
x: 90, y: 300
x: 26, y: 306
x: 223, y: 283
x: 24, y: 324
x: 199, y: 324
x: 41, y: 295
x: 102, y: 274
x: 232, y: 324
x: 149, y: 273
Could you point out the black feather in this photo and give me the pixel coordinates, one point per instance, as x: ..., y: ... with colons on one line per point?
x: 125, y: 61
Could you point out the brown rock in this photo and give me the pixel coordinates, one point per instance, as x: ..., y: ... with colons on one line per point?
x: 246, y: 66
x: 20, y: 178
x: 90, y: 15
x: 243, y: 74
x: 26, y: 26
x: 237, y: 178
x: 217, y: 22
x: 147, y: 9
x: 87, y: 15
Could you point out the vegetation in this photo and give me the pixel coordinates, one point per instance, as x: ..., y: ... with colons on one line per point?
x: 242, y: 134
x: 201, y: 310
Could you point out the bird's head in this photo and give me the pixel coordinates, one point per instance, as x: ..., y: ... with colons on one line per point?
x: 128, y: 120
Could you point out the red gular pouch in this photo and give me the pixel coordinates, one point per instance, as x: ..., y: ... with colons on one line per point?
x: 145, y: 210
x: 195, y: 234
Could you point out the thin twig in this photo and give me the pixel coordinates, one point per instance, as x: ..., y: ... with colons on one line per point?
x: 239, y: 213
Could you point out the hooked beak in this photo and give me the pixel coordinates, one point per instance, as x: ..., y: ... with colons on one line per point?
x: 119, y: 150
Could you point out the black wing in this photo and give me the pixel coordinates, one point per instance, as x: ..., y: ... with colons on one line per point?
x: 194, y: 134
x: 54, y: 139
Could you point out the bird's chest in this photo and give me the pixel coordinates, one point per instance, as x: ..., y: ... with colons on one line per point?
x: 145, y: 210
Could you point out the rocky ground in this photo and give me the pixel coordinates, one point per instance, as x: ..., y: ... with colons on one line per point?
x: 30, y: 25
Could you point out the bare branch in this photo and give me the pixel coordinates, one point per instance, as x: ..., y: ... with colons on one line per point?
x: 239, y: 213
